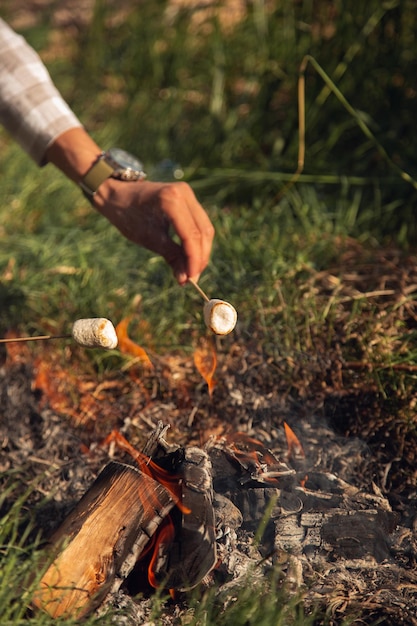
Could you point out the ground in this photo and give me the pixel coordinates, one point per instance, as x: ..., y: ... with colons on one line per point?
x: 353, y: 413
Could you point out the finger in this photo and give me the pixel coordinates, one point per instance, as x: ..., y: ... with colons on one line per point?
x: 193, y: 226
x: 205, y: 231
x: 175, y: 257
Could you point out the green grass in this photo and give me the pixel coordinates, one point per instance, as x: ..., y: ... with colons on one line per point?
x: 22, y: 559
x: 223, y: 104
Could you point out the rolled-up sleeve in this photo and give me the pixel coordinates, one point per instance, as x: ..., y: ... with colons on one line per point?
x: 31, y: 108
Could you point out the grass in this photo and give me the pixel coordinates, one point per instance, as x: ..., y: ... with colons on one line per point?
x: 22, y: 558
x: 221, y: 102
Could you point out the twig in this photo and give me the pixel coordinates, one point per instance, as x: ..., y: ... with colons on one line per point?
x: 38, y: 338
x: 198, y: 288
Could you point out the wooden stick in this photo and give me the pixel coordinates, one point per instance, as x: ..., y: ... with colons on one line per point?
x: 94, y: 332
x: 38, y: 338
x: 198, y: 288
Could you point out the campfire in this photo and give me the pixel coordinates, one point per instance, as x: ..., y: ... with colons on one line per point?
x: 255, y: 485
x: 179, y: 517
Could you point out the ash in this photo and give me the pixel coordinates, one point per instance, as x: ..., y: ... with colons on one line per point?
x: 327, y: 528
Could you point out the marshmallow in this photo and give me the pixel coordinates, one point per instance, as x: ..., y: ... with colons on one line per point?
x: 95, y: 332
x: 220, y: 316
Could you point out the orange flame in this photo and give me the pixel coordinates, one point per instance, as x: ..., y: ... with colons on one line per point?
x: 295, y: 449
x: 163, y: 538
x: 243, y: 443
x: 166, y: 531
x: 127, y: 346
x: 252, y: 455
x: 205, y: 359
x: 170, y: 481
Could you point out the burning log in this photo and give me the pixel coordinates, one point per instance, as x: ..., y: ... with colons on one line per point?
x: 210, y: 503
x: 185, y: 551
x: 124, y: 515
x: 190, y: 554
x: 99, y: 542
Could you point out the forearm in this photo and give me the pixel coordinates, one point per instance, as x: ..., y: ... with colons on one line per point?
x: 31, y: 108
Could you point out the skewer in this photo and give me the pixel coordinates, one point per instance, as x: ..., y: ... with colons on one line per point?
x: 95, y: 332
x: 198, y: 288
x: 38, y: 338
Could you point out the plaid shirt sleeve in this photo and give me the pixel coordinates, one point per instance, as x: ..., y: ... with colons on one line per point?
x: 31, y: 108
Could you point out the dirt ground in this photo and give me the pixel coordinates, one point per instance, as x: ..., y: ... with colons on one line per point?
x: 352, y: 424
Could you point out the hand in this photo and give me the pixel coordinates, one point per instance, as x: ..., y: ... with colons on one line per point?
x: 146, y: 212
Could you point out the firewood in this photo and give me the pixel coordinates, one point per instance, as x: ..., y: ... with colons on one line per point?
x: 99, y: 542
x: 191, y: 553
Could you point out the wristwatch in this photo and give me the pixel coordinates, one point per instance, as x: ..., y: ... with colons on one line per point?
x: 114, y: 163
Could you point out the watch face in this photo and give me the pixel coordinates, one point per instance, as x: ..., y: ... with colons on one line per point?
x: 127, y: 166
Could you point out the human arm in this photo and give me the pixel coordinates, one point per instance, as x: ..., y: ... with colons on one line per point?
x: 35, y: 114
x: 144, y: 212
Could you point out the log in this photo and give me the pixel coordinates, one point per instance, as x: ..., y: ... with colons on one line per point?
x: 99, y: 542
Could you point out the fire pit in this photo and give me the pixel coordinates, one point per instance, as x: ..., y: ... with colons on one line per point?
x: 296, y: 500
x: 226, y: 514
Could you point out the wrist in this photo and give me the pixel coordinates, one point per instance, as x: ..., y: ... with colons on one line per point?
x: 114, y: 163
x: 74, y: 153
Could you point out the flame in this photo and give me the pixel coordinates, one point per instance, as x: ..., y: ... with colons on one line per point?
x: 16, y: 352
x: 163, y: 538
x: 244, y: 443
x: 170, y: 481
x: 245, y: 446
x: 127, y: 346
x: 205, y: 360
x: 295, y: 449
x: 51, y: 380
x: 257, y: 460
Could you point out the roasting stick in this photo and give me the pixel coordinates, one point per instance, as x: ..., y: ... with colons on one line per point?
x: 37, y: 338
x: 95, y: 332
x: 219, y: 316
x: 198, y: 288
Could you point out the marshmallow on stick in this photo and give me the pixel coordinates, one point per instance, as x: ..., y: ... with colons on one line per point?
x: 219, y: 316
x: 96, y: 332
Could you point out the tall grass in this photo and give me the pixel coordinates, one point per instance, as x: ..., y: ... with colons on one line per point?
x: 210, y: 96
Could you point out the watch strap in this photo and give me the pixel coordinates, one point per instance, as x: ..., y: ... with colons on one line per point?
x: 96, y: 175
